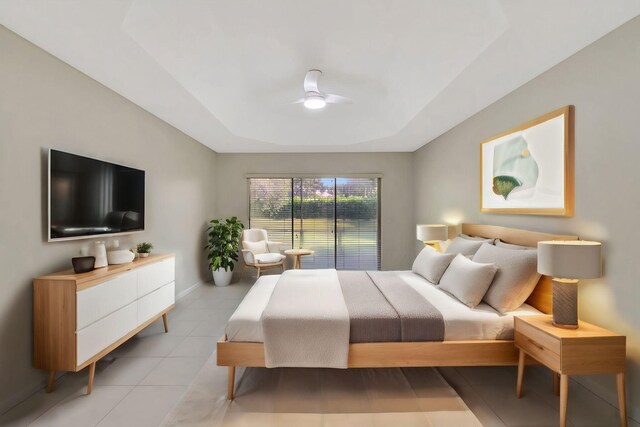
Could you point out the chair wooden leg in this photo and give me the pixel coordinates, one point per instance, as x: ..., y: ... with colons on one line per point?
x: 165, y: 323
x: 92, y: 374
x: 258, y: 272
x: 51, y: 381
x: 230, y: 382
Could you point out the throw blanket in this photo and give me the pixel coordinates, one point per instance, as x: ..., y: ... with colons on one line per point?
x: 306, y: 322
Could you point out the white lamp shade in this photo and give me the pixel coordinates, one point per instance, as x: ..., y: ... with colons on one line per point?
x: 431, y: 232
x: 570, y: 259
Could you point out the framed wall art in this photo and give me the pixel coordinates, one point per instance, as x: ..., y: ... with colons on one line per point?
x: 529, y: 169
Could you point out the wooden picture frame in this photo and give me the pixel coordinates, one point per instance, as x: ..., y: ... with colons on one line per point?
x: 529, y: 169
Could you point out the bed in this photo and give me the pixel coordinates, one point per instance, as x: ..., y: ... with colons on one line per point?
x: 478, y: 337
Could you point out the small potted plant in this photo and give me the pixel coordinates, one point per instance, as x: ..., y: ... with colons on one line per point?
x: 223, y: 238
x: 144, y: 249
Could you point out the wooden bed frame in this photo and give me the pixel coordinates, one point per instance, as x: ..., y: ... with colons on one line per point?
x: 419, y: 354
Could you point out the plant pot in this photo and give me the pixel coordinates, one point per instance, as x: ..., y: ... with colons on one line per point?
x: 222, y: 277
x: 143, y: 254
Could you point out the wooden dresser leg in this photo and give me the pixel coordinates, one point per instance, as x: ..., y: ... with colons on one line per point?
x: 92, y: 374
x: 231, y: 381
x: 556, y: 383
x: 564, y: 394
x: 51, y: 382
x: 622, y: 399
x: 520, y: 374
x: 165, y: 322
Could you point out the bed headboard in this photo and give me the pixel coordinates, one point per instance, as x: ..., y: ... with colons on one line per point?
x: 541, y: 297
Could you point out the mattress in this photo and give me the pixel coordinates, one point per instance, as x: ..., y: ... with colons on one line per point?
x: 461, y: 322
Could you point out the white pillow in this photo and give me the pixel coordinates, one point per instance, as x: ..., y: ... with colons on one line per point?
x: 431, y: 264
x: 257, y: 248
x: 463, y: 246
x: 466, y: 280
x: 268, y: 258
x: 516, y: 279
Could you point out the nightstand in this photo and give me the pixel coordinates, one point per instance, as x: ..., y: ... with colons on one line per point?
x: 586, y: 350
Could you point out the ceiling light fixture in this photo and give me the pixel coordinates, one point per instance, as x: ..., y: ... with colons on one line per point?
x: 314, y: 101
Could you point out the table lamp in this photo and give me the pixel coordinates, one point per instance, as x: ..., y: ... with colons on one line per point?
x: 431, y: 234
x: 566, y: 262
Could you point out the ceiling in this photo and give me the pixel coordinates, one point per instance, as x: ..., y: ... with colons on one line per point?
x: 226, y: 72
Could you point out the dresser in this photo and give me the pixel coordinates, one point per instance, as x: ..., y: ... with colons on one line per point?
x: 80, y: 318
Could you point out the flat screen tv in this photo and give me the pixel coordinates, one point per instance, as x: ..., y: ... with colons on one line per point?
x: 89, y: 197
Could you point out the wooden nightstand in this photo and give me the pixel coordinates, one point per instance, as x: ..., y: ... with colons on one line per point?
x: 586, y: 350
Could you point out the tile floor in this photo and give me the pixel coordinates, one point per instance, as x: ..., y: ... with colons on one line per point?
x: 139, y: 383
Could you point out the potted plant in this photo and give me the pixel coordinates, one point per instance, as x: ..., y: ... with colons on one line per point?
x: 144, y: 249
x: 222, y: 248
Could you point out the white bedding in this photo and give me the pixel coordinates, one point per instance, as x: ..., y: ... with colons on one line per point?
x: 461, y: 322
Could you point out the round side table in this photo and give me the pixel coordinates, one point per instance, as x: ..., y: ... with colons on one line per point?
x: 297, y: 253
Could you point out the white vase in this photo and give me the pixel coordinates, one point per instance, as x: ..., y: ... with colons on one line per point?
x: 100, y: 252
x: 222, y: 277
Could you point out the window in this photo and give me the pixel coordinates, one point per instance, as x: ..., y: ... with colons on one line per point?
x: 338, y: 218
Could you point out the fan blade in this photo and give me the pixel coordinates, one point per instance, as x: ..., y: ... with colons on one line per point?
x: 298, y: 101
x: 337, y: 99
x: 311, y: 81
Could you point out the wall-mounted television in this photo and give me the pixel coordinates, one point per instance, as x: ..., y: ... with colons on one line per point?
x: 89, y: 197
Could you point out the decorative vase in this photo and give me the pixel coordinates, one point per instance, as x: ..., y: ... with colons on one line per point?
x: 120, y: 256
x: 100, y: 253
x: 143, y: 254
x: 221, y: 277
x: 83, y: 264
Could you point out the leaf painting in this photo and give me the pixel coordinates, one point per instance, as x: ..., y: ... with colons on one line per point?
x: 514, y: 168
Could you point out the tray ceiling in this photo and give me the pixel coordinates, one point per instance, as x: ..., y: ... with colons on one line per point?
x: 226, y: 73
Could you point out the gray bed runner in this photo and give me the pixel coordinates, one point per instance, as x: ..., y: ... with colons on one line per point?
x: 372, y: 318
x: 419, y: 319
x: 384, y: 308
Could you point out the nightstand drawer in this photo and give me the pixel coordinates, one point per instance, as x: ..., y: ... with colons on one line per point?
x: 539, y: 350
x: 542, y: 338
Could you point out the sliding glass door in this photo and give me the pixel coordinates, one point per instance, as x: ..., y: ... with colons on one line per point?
x: 338, y: 218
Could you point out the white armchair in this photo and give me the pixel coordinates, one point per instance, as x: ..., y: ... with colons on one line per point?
x: 259, y: 252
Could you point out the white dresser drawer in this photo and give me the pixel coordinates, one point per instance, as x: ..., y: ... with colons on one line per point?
x: 155, y: 275
x: 98, y: 301
x: 101, y: 334
x: 152, y: 304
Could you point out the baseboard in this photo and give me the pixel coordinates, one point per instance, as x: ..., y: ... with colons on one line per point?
x: 19, y: 397
x: 188, y: 290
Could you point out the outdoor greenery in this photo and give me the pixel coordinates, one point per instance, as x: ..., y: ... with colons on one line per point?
x: 222, y: 243
x: 144, y: 248
x: 347, y: 207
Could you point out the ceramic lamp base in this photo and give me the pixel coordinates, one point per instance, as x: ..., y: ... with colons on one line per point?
x: 565, y: 303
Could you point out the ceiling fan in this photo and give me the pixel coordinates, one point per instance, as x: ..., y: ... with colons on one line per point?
x: 313, y: 98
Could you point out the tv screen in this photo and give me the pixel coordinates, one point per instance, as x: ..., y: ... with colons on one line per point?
x: 89, y: 197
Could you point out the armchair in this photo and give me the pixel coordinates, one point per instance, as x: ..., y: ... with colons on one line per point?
x: 259, y: 252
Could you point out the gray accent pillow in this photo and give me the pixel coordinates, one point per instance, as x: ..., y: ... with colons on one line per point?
x: 478, y: 238
x: 463, y: 246
x: 431, y: 264
x: 499, y: 243
x: 467, y: 280
x: 516, y: 279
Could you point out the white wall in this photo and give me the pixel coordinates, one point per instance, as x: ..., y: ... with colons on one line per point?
x: 603, y: 82
x: 398, y: 226
x: 45, y: 103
